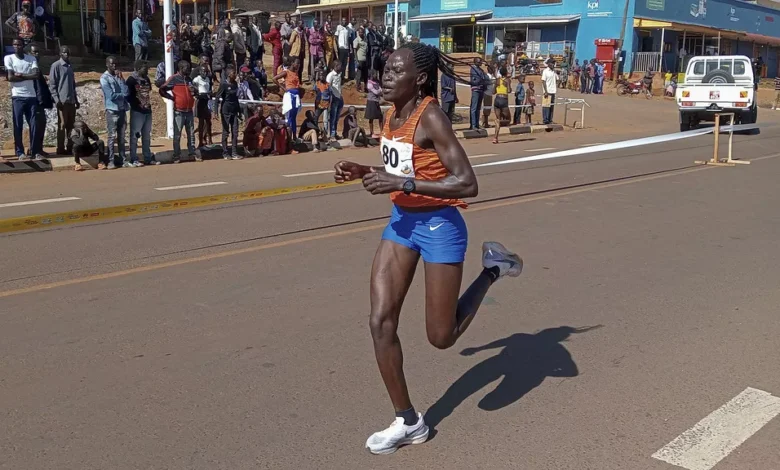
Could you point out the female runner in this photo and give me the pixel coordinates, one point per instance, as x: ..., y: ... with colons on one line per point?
x: 501, y: 101
x: 426, y: 172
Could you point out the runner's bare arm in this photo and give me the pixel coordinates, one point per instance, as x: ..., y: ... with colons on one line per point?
x: 350, y: 171
x: 434, y: 131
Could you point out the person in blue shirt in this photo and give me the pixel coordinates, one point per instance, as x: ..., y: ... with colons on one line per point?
x: 519, y: 100
x: 141, y: 35
x: 478, y: 86
x: 115, y: 93
x: 449, y: 95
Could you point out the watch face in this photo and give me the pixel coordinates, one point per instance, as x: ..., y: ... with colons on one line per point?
x: 409, y: 186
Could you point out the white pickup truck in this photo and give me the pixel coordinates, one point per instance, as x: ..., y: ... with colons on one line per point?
x: 717, y: 84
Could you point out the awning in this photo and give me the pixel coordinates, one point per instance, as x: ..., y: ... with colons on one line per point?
x: 761, y: 39
x: 461, y: 15
x: 338, y: 6
x: 530, y: 20
x: 644, y: 23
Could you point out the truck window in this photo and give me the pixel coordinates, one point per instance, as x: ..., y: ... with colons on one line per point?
x: 740, y: 67
x: 698, y: 67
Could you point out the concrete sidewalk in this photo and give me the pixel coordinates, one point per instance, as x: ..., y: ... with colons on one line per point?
x: 163, y: 150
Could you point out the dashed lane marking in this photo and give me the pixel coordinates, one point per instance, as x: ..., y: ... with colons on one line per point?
x: 188, y: 186
x: 39, y: 201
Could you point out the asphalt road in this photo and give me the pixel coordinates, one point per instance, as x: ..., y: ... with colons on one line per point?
x: 236, y: 337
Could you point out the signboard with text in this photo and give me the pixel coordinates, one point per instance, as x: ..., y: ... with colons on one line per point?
x: 447, y: 5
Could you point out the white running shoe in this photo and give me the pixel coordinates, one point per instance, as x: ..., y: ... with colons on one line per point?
x: 495, y: 254
x: 397, y: 435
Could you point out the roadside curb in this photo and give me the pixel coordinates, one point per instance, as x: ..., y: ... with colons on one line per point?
x: 214, y: 152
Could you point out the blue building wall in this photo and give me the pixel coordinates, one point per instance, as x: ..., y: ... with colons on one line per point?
x: 721, y: 14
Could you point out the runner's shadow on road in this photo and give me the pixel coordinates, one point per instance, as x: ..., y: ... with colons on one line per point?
x: 522, y: 365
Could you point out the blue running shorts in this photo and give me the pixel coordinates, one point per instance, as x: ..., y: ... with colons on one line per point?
x: 440, y: 236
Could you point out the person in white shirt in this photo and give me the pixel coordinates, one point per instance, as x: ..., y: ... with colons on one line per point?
x: 22, y: 70
x: 342, y: 40
x: 550, y: 88
x: 336, y: 101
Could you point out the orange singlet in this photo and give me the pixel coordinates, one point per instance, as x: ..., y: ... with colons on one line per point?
x: 402, y: 157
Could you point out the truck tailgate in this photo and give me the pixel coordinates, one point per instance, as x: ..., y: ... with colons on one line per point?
x: 705, y: 96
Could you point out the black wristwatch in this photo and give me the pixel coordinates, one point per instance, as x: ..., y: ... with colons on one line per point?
x: 409, y: 186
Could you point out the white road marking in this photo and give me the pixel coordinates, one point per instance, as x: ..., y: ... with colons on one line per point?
x: 188, y: 186
x: 716, y: 436
x: 590, y: 145
x: 325, y: 172
x: 39, y: 201
x: 540, y: 150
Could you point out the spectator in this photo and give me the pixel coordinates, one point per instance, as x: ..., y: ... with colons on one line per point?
x: 230, y: 112
x: 342, y: 35
x: 316, y: 53
x: 530, y: 102
x: 179, y: 89
x: 478, y: 87
x: 373, y: 111
x: 259, y: 72
x: 186, y: 37
x: 519, y: 101
x: 203, y: 83
x: 115, y: 100
x: 83, y: 147
x: 351, y: 129
x: 322, y: 100
x: 336, y: 100
x: 291, y: 102
x: 449, y: 96
x: 599, y: 78
x: 360, y: 46
x: 202, y: 38
x: 141, y: 35
x: 248, y: 89
x: 310, y: 131
x: 301, y: 31
x: 329, y: 44
x: 285, y: 30
x: 223, y: 54
x: 267, y: 136
x: 255, y: 40
x: 239, y: 40
x: 351, y: 27
x: 584, y: 73
x: 576, y: 71
x: 62, y: 83
x: 488, y: 99
x: 22, y: 71
x: 591, y: 76
x: 550, y: 88
x: 45, y: 101
x: 253, y: 130
x: 282, y: 136
x: 159, y: 74
x: 274, y: 37
x: 22, y: 23
x: 138, y: 89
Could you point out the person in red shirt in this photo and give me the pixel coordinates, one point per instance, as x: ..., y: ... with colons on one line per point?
x: 179, y: 89
x: 275, y: 38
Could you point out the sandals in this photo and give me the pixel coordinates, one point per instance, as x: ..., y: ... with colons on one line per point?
x: 78, y: 167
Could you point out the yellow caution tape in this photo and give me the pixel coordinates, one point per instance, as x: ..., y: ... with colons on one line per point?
x: 89, y: 215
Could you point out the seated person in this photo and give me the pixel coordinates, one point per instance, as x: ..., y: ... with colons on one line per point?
x: 351, y: 129
x: 82, y: 147
x: 310, y: 130
x: 253, y: 131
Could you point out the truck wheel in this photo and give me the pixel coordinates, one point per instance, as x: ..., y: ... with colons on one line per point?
x: 718, y: 76
x: 750, y: 117
x: 685, y: 122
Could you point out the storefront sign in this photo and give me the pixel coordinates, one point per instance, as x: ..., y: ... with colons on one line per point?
x: 699, y: 9
x: 657, y: 5
x: 733, y: 15
x: 454, y: 4
x: 593, y: 10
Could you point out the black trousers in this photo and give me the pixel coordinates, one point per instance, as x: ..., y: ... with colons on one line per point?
x: 344, y: 59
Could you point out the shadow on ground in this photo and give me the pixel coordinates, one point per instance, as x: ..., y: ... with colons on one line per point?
x: 523, y: 363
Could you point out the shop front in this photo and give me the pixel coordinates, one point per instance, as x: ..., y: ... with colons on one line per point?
x: 454, y: 33
x: 375, y: 11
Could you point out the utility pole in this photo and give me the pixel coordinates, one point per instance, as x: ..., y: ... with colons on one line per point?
x: 168, y: 35
x: 620, y: 41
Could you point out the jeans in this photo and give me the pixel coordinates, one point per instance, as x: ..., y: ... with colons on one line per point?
x: 140, y: 123
x: 547, y: 112
x: 25, y: 109
x: 475, y: 108
x: 325, y: 114
x: 583, y: 83
x: 116, y: 123
x: 183, y: 119
x: 361, y: 75
x: 336, y: 104
x: 230, y: 122
x: 449, y: 109
x: 66, y: 116
x: 292, y: 121
x: 40, y: 131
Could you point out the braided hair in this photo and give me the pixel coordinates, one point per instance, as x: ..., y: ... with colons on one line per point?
x: 431, y: 60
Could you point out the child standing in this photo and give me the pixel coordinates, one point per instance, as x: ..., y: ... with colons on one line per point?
x: 530, y: 102
x: 373, y: 111
x: 322, y: 100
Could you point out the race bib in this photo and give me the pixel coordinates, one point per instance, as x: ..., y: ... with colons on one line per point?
x: 397, y: 157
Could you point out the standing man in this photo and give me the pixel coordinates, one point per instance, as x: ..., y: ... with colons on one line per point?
x: 448, y: 95
x: 352, y: 27
x: 115, y: 100
x: 302, y: 53
x: 141, y: 35
x: 22, y: 23
x: 342, y: 38
x: 478, y: 85
x: 22, y: 71
x: 138, y: 88
x: 185, y: 39
x: 62, y: 84
x: 336, y: 100
x: 203, y: 37
x: 43, y: 95
x: 360, y: 47
x: 297, y: 42
x: 255, y: 40
x: 239, y: 41
x: 550, y: 88
x: 316, y: 52
x: 274, y: 37
x: 179, y: 89
x: 286, y: 30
